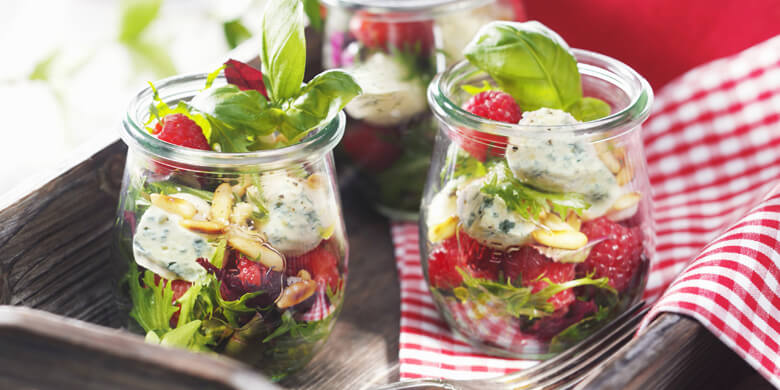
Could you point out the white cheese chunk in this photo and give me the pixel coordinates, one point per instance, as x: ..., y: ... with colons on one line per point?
x: 163, y: 246
x: 487, y: 219
x: 390, y: 96
x: 562, y: 162
x: 299, y: 214
x: 458, y: 28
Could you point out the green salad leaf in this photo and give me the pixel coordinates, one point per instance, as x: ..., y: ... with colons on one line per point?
x: 312, y: 10
x: 474, y: 90
x: 529, y: 202
x: 235, y: 32
x: 589, y: 109
x: 528, y: 61
x: 580, y: 330
x: 152, y: 304
x: 518, y: 300
x: 283, y: 52
x: 534, y: 65
x: 317, y: 103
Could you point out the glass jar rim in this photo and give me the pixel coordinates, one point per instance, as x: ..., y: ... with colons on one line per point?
x: 428, y: 7
x: 606, y: 68
x: 133, y: 132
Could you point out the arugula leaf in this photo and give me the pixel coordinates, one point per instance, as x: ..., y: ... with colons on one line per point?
x: 589, y: 109
x: 169, y: 188
x: 318, y: 103
x: 152, y: 305
x: 235, y: 32
x: 312, y: 10
x: 580, y: 330
x: 529, y: 61
x: 159, y: 109
x: 137, y: 15
x: 283, y: 53
x: 528, y: 202
x: 519, y: 300
x: 462, y: 164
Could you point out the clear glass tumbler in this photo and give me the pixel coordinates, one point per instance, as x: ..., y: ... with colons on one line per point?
x: 393, y: 49
x: 243, y: 254
x: 549, y: 235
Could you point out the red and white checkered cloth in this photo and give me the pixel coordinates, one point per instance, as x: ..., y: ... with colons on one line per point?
x: 713, y: 151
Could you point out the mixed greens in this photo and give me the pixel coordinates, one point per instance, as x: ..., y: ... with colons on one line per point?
x: 538, y: 230
x: 250, y: 263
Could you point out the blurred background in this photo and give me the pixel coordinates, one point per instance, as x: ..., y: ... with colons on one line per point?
x: 70, y: 67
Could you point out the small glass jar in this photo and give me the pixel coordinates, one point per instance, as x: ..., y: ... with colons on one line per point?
x: 547, y: 236
x: 243, y: 254
x: 393, y: 49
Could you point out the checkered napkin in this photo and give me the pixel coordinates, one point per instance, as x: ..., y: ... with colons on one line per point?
x: 713, y: 151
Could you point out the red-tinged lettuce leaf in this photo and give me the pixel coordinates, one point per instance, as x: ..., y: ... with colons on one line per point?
x: 244, y: 76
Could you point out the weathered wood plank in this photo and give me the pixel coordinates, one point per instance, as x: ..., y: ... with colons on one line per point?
x: 44, y: 351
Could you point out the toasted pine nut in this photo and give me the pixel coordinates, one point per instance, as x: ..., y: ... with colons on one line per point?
x: 444, y: 230
x: 206, y: 227
x: 560, y: 239
x: 173, y: 205
x: 553, y: 222
x: 221, y: 204
x: 296, y: 293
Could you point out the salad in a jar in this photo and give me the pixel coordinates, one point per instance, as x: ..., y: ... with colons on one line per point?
x: 535, y: 225
x: 230, y: 233
x: 393, y: 49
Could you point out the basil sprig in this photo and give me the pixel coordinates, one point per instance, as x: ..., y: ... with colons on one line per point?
x: 242, y: 120
x: 534, y: 65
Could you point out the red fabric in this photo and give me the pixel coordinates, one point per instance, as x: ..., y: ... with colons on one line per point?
x: 661, y: 39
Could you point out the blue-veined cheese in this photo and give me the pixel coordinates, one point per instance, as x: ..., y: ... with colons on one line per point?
x: 562, y: 162
x: 299, y: 214
x: 163, y: 246
x: 487, y: 219
x: 390, y: 96
x: 456, y: 29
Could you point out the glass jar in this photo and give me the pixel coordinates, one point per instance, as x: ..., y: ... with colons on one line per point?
x: 549, y: 235
x: 393, y: 49
x: 243, y: 254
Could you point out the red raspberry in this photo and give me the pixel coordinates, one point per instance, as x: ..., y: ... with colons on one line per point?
x: 527, y: 265
x: 442, y: 263
x: 250, y: 273
x: 618, y: 257
x: 371, y: 147
x: 322, y: 263
x: 378, y: 32
x: 180, y: 130
x: 494, y: 105
x: 481, y: 261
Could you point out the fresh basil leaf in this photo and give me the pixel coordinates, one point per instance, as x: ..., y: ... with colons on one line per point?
x: 529, y: 61
x: 227, y: 139
x: 152, y: 56
x: 318, y: 103
x: 589, y: 109
x: 136, y: 15
x: 312, y: 9
x: 235, y: 33
x: 283, y: 52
